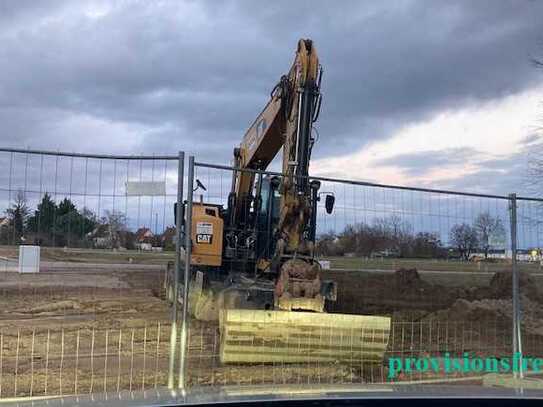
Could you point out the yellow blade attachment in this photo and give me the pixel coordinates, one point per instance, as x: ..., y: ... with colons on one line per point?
x: 257, y: 336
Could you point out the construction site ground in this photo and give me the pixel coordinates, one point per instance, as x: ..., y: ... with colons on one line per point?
x: 96, y: 320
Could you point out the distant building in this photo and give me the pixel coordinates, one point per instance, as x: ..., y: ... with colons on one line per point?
x: 102, y: 237
x: 536, y: 254
x: 507, y: 254
x: 144, y: 239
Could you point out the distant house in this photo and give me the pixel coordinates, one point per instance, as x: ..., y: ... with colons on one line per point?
x: 4, y: 222
x: 103, y: 237
x: 144, y: 239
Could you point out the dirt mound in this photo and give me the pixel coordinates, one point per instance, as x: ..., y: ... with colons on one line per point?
x: 378, y: 292
x: 408, y: 279
x: 498, y: 310
x: 501, y: 285
x: 479, y: 310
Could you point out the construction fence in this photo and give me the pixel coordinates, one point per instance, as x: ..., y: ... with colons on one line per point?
x: 97, y: 317
x: 456, y: 272
x: 439, y: 263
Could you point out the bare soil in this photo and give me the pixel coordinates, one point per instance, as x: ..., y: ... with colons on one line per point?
x: 78, y: 329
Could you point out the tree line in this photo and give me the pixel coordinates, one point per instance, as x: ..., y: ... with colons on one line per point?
x: 51, y: 223
x: 393, y: 237
x: 63, y: 224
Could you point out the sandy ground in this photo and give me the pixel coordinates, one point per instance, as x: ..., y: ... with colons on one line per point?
x: 83, y: 330
x: 78, y: 328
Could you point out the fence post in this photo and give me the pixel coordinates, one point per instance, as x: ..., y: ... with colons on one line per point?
x: 517, y: 336
x: 177, y: 272
x: 188, y: 250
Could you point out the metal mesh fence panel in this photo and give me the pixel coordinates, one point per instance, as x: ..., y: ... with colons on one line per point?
x: 530, y: 274
x: 96, y: 318
x: 76, y: 361
x: 93, y: 315
x: 438, y: 263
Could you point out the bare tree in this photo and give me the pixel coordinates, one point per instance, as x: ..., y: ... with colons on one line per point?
x: 489, y: 230
x: 397, y: 234
x: 535, y: 162
x: 464, y: 238
x: 327, y: 245
x: 535, y: 170
x: 117, y: 223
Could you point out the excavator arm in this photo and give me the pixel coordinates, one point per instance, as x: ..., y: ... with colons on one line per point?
x: 279, y: 123
x: 253, y: 326
x: 286, y: 121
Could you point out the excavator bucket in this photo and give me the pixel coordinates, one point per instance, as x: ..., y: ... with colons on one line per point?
x: 257, y: 336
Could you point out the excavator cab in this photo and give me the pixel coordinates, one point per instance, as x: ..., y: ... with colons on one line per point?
x: 268, y: 216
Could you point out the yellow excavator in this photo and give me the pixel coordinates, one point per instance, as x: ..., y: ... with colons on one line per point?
x: 253, y: 265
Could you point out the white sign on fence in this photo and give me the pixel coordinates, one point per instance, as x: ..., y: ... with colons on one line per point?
x: 146, y: 188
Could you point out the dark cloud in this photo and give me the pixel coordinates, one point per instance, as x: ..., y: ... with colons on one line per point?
x: 162, y: 76
x: 419, y: 163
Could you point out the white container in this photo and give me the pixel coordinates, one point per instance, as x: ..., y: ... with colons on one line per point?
x: 325, y: 264
x: 29, y: 259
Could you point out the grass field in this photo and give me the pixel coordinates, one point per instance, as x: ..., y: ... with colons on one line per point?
x: 106, y: 256
x: 94, y: 255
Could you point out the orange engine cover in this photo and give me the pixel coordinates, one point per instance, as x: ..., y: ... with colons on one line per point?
x: 207, y: 235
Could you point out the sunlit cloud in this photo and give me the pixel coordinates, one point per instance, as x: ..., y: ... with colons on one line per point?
x: 451, y: 145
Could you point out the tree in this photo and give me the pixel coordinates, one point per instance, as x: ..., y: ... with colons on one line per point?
x: 70, y: 224
x: 117, y: 224
x: 390, y: 234
x: 17, y: 215
x: 368, y: 240
x: 427, y: 245
x: 116, y: 220
x: 534, y: 180
x: 535, y: 162
x: 346, y: 241
x: 60, y: 224
x: 43, y: 219
x: 489, y: 230
x: 327, y: 245
x: 88, y: 221
x: 395, y: 234
x: 464, y: 238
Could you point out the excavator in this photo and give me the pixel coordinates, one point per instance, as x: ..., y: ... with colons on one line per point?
x: 253, y: 263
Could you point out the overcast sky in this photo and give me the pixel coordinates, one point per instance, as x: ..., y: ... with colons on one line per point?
x: 426, y: 93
